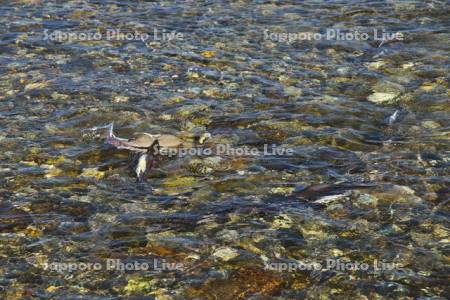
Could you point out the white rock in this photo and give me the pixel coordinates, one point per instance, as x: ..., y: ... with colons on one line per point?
x: 403, y: 189
x: 376, y: 65
x: 293, y: 91
x: 120, y: 99
x: 388, y: 87
x: 226, y: 253
x: 213, y: 161
x: 382, y: 97
x: 430, y: 124
x: 228, y: 235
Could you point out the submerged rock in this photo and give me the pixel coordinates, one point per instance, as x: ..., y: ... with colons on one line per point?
x: 92, y: 172
x: 177, y: 185
x: 293, y: 91
x: 242, y: 284
x: 367, y: 200
x: 386, y: 92
x: 225, y: 253
x: 382, y: 97
x: 139, y: 285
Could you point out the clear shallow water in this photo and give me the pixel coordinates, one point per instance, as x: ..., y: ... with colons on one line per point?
x: 227, y: 220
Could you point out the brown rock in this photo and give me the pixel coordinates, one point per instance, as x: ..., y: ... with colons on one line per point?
x: 242, y: 283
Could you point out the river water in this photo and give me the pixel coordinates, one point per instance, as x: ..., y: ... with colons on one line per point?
x: 328, y: 175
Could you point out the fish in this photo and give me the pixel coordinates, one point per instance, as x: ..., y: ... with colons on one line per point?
x: 142, y: 141
x: 145, y: 161
x: 327, y: 192
x: 147, y: 147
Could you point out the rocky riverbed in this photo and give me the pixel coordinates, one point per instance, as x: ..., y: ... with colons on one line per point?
x: 358, y: 208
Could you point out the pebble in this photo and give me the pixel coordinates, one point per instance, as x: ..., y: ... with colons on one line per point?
x: 226, y: 253
x: 382, y: 97
x: 293, y: 91
x: 120, y: 99
x: 430, y: 124
x: 367, y: 199
x: 92, y: 172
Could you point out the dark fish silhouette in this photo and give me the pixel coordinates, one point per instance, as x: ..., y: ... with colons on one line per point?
x: 146, y: 145
x: 145, y: 160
